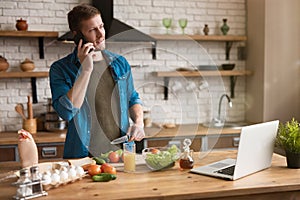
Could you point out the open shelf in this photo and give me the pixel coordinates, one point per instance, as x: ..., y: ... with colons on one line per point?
x: 229, y: 73
x: 39, y: 34
x: 200, y: 37
x: 23, y: 74
x: 228, y: 39
x: 28, y: 33
x: 31, y: 75
x: 202, y: 73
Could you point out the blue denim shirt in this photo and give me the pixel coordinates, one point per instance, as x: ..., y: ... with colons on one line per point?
x: 63, y: 74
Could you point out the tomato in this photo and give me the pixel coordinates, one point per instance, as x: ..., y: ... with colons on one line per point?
x: 94, y: 170
x: 113, y: 157
x: 154, y: 151
x: 107, y: 168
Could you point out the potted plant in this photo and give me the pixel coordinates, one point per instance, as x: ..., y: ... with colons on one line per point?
x: 288, y: 137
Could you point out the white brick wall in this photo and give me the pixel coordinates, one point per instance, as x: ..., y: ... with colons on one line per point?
x: 146, y: 15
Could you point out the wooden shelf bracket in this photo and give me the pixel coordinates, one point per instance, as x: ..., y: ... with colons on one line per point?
x: 33, y: 90
x: 228, y: 46
x: 154, y: 50
x: 232, y: 85
x: 166, y: 87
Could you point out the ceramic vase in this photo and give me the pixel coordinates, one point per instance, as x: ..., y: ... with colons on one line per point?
x: 21, y: 25
x: 205, y: 29
x: 3, y: 64
x: 225, y: 28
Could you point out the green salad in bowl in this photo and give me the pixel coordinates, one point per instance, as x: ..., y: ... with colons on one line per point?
x: 158, y: 158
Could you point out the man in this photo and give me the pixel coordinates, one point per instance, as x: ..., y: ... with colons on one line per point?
x: 93, y: 90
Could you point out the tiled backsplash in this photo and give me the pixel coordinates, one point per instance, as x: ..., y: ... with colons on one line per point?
x: 183, y: 106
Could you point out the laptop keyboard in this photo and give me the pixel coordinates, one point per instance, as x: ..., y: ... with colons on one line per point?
x: 227, y: 171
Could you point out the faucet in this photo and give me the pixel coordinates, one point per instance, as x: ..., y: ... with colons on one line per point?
x: 218, y: 121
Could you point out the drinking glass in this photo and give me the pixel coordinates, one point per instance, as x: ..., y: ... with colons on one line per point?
x: 182, y: 23
x: 167, y: 22
x: 129, y: 157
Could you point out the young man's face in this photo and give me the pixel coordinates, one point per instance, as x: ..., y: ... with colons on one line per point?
x: 93, y: 31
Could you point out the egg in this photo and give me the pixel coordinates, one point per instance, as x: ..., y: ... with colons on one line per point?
x: 55, y: 178
x: 46, y: 178
x: 63, y: 176
x: 79, y: 171
x: 72, y: 173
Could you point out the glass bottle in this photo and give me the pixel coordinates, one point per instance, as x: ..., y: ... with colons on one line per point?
x: 186, y: 160
x: 225, y: 28
x: 36, y: 179
x: 24, y: 189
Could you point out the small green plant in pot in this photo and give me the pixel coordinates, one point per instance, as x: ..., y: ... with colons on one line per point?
x: 288, y: 137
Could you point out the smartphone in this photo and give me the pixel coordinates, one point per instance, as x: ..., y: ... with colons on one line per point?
x: 79, y: 36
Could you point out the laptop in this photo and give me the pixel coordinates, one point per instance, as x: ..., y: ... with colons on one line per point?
x: 255, y: 152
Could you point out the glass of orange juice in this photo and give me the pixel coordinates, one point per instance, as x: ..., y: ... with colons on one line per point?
x: 129, y: 157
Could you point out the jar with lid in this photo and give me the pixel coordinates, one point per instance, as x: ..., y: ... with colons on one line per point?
x: 24, y: 185
x: 186, y: 160
x: 21, y: 25
x: 36, y: 179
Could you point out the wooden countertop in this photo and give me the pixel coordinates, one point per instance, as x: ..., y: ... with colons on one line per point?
x: 277, y: 182
x: 187, y: 130
x: 11, y: 138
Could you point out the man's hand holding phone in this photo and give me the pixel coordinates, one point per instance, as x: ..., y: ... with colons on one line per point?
x: 84, y: 49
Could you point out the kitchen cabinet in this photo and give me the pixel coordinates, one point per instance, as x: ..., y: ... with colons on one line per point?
x: 39, y: 34
x: 50, y: 150
x: 233, y: 74
x: 31, y: 75
x: 8, y: 153
x: 45, y: 151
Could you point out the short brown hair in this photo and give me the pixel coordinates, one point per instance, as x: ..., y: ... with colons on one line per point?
x: 80, y: 13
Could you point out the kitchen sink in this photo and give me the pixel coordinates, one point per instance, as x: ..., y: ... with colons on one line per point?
x: 233, y: 125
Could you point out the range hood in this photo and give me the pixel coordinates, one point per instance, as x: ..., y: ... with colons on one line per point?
x: 116, y: 30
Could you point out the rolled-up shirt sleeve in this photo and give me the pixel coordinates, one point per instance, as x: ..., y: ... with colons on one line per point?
x: 60, y: 84
x: 134, y: 95
x: 135, y: 99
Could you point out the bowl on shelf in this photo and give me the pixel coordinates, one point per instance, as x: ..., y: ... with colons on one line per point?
x: 228, y: 66
x: 159, y: 158
x: 3, y: 64
x: 207, y: 67
x: 27, y: 65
